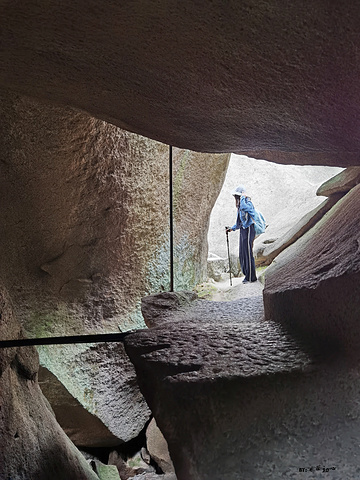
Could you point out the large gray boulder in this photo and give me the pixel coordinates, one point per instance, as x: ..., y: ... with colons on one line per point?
x: 313, y: 288
x: 276, y: 80
x: 99, y: 382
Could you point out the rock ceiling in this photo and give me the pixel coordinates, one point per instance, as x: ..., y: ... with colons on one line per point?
x: 276, y: 80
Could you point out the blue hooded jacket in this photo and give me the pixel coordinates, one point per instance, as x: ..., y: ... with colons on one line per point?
x: 246, y: 213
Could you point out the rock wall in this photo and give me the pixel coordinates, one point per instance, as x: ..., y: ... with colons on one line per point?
x: 32, y: 444
x: 312, y: 287
x: 86, y: 215
x: 85, y: 208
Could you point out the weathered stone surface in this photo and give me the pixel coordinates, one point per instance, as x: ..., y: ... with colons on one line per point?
x: 103, y: 382
x: 82, y: 427
x: 216, y: 267
x: 313, y: 287
x: 158, y: 447
x: 32, y: 444
x: 278, y: 80
x: 341, y: 183
x: 283, y: 193
x: 266, y: 252
x: 156, y: 308
x: 85, y: 207
x: 162, y: 308
x: 214, y: 349
x: 241, y: 399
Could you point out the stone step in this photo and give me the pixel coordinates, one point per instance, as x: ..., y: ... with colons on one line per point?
x: 238, y: 397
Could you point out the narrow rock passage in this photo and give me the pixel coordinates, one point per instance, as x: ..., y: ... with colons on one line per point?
x: 223, y: 292
x: 236, y: 396
x: 202, y: 339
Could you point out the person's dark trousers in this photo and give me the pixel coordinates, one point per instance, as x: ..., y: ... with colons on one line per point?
x: 247, y: 262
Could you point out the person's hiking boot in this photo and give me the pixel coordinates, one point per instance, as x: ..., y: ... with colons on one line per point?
x: 245, y: 281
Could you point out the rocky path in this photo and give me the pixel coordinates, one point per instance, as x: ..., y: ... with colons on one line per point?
x: 238, y: 397
x: 223, y: 292
x: 196, y: 360
x: 191, y: 338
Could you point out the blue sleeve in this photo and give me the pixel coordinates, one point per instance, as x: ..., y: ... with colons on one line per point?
x: 247, y: 206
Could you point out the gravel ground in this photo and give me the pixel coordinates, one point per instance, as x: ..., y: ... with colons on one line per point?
x: 223, y: 292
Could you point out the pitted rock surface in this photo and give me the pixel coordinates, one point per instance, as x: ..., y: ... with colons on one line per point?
x: 208, y: 351
x: 222, y: 339
x: 237, y: 397
x: 161, y: 308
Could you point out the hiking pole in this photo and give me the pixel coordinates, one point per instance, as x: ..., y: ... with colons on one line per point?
x: 228, y: 249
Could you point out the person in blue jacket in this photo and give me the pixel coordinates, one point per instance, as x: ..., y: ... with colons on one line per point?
x: 245, y: 223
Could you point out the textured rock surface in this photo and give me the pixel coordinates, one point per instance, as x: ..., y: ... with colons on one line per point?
x: 86, y: 215
x: 313, y: 287
x: 238, y: 398
x: 85, y: 208
x: 167, y: 307
x: 277, y: 79
x: 266, y: 251
x: 283, y: 193
x: 158, y: 447
x: 83, y: 427
x: 103, y: 381
x: 217, y: 266
x: 341, y: 183
x: 32, y: 444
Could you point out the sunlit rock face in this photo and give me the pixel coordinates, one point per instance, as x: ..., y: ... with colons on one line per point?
x: 32, y: 444
x: 334, y: 188
x: 313, y: 289
x: 341, y: 183
x: 85, y: 208
x: 285, y: 194
x: 275, y: 81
